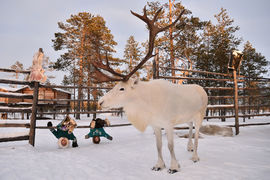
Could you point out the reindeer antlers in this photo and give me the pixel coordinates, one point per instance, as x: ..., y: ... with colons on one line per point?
x: 153, y: 31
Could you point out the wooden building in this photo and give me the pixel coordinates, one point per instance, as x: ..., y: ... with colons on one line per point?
x: 47, y: 99
x: 44, y: 93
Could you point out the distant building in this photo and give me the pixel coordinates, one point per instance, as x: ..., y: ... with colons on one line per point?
x: 44, y: 93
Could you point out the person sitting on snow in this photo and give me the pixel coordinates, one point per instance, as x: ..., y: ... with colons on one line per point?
x: 65, y: 130
x: 96, y: 130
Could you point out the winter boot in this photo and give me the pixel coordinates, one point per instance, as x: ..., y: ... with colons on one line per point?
x: 49, y: 125
x: 74, y: 143
x: 110, y: 137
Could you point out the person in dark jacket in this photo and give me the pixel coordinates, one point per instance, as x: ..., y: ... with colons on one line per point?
x: 65, y: 129
x: 96, y: 130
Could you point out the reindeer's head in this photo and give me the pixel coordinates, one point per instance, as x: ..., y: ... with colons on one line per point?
x: 118, y: 95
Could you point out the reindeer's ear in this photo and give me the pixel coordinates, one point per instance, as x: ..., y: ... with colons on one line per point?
x: 134, y: 80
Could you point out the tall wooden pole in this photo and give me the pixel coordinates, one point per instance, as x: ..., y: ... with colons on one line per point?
x: 32, y: 132
x: 236, y: 102
x: 171, y: 41
x: 156, y: 65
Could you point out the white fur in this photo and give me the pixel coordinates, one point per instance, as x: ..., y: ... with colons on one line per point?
x: 160, y: 104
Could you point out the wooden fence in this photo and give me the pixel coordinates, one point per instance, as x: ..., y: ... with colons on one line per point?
x: 5, y: 108
x: 230, y: 95
x: 36, y: 108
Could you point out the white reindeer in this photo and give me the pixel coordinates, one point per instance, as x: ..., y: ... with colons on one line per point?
x: 160, y: 104
x: 157, y: 103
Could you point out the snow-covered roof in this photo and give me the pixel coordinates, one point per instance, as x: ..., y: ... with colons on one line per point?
x: 61, y: 90
x: 11, y: 89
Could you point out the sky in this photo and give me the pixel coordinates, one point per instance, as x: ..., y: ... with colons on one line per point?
x: 26, y: 25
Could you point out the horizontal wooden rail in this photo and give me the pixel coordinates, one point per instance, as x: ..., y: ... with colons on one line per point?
x: 27, y: 125
x: 67, y: 100
x: 81, y: 112
x: 197, y: 71
x: 53, y: 106
x: 251, y: 124
x: 13, y: 109
x: 16, y: 95
x: 22, y: 104
x: 196, y: 78
x: 72, y: 87
x: 19, y: 138
x: 241, y: 125
x: 218, y: 88
x: 232, y: 106
x: 15, y: 71
x: 232, y: 116
x: 239, y: 97
x: 8, y: 81
x: 82, y: 127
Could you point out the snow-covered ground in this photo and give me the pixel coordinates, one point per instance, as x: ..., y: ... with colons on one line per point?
x: 131, y: 155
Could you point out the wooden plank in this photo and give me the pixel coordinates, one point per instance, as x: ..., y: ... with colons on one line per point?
x: 23, y: 104
x: 232, y: 116
x: 8, y: 81
x: 239, y: 97
x: 196, y: 78
x: 218, y: 88
x: 83, y: 112
x: 65, y: 100
x: 241, y: 125
x: 240, y: 107
x: 16, y: 95
x: 82, y: 127
x: 200, y: 72
x: 13, y: 109
x: 19, y: 138
x: 251, y: 124
x: 15, y: 71
x: 72, y: 87
x: 27, y: 125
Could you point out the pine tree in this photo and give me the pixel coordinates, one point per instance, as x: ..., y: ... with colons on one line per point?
x: 86, y: 38
x: 217, y: 43
x: 132, y: 53
x: 179, y: 42
x: 254, y: 64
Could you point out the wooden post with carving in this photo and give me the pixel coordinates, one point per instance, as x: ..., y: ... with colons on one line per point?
x: 32, y: 132
x: 236, y: 102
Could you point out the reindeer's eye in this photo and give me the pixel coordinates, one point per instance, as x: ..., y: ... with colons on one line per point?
x: 122, y: 89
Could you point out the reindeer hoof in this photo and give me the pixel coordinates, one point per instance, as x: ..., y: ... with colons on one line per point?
x: 172, y: 171
x: 195, y: 159
x: 156, y: 169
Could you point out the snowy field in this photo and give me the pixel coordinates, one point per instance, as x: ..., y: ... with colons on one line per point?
x: 131, y: 155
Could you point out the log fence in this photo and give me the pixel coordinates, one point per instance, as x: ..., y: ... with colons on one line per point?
x: 230, y: 96
x: 22, y: 108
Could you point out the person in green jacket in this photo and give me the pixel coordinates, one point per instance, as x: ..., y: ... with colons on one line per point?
x: 65, y: 129
x: 96, y: 130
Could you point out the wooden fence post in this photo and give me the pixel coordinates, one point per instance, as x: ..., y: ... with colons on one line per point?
x: 34, y: 114
x: 156, y: 75
x: 236, y: 102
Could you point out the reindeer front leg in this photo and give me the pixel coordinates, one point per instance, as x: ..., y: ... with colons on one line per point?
x: 160, y: 163
x: 175, y: 167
